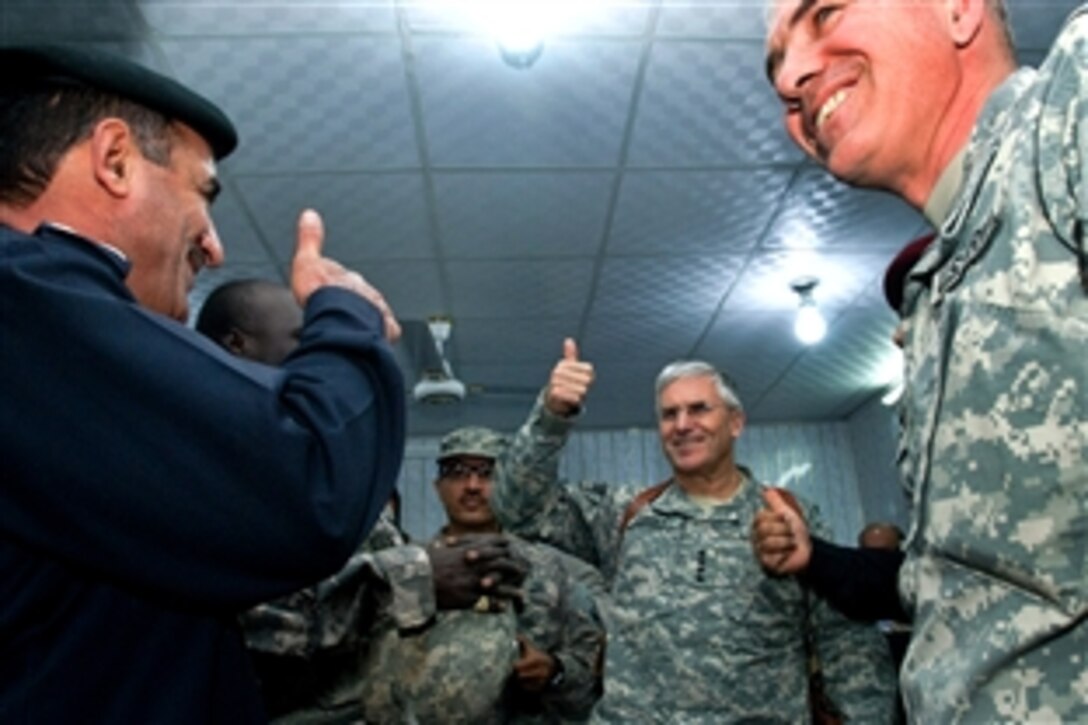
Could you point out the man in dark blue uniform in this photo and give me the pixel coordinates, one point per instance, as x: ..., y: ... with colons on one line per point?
x: 151, y: 485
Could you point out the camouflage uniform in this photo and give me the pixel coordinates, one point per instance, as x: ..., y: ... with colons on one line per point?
x: 308, y: 643
x: 459, y: 669
x: 697, y: 631
x: 995, y: 427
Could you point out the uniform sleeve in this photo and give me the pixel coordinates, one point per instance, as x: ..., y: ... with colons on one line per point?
x: 529, y: 500
x: 135, y: 451
x: 858, y: 674
x: 1062, y: 140
x: 582, y: 646
x: 383, y: 579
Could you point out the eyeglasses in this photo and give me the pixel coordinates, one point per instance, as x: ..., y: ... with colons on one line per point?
x: 698, y: 411
x: 460, y: 470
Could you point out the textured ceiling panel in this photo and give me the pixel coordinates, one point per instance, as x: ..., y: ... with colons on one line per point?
x: 622, y: 394
x: 568, y: 110
x: 200, y: 17
x: 655, y: 339
x: 842, y: 276
x: 819, y: 212
x: 680, y: 212
x: 612, y: 192
x: 527, y: 289
x: 708, y: 103
x: 642, y: 288
x: 320, y: 106
x: 515, y: 215
x: 611, y: 18
x: 240, y: 240
x: 367, y: 216
x: 712, y: 19
x: 413, y: 288
x: 24, y: 21
x: 520, y: 380
x: 480, y: 341
x: 856, y: 357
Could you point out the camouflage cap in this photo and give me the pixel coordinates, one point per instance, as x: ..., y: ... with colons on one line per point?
x: 472, y: 441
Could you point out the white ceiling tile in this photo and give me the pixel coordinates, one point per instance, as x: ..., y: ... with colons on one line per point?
x: 654, y: 339
x: 527, y: 289
x: 54, y: 21
x: 413, y: 288
x: 536, y: 343
x: 842, y: 278
x: 645, y: 287
x: 566, y: 19
x: 694, y: 211
x: 532, y: 205
x: 318, y: 106
x: 367, y: 216
x: 712, y: 19
x: 708, y: 102
x: 197, y: 17
x: 819, y: 212
x: 508, y: 215
x: 567, y: 110
x: 241, y: 242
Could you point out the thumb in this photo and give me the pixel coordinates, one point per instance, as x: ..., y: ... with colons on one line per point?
x: 311, y: 235
x: 570, y: 349
x: 775, y: 502
x: 779, y: 503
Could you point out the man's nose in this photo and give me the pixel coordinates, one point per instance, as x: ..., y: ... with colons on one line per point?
x: 799, y: 64
x: 212, y: 247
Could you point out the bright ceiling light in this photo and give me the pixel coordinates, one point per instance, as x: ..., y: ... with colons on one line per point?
x: 810, y: 326
x: 521, y: 27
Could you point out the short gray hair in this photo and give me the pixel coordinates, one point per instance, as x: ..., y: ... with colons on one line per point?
x: 999, y: 9
x: 694, y: 369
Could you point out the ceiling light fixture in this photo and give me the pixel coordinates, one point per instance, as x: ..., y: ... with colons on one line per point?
x: 518, y: 29
x: 810, y: 326
x: 520, y: 51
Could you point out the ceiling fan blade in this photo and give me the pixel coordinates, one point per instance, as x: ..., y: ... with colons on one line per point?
x: 418, y: 352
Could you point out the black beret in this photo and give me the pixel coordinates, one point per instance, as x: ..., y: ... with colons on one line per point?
x: 896, y: 274
x: 122, y: 77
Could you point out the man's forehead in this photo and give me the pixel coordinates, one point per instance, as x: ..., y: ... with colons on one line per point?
x: 689, y: 389
x: 784, y: 14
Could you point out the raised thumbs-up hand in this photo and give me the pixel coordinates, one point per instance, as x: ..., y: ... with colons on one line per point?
x: 780, y: 536
x: 569, y: 382
x: 310, y: 271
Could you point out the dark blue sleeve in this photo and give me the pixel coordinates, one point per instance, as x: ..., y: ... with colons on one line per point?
x: 860, y: 583
x: 133, y: 450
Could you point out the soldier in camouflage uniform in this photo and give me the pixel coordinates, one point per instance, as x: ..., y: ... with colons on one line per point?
x: 533, y: 665
x: 307, y: 645
x: 925, y: 100
x: 697, y: 632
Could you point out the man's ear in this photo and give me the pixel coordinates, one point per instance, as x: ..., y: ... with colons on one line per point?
x: 965, y: 20
x: 113, y: 156
x: 737, y: 423
x: 235, y: 342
